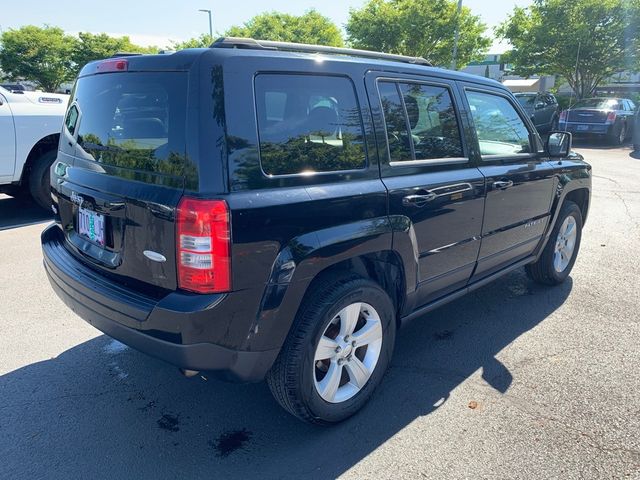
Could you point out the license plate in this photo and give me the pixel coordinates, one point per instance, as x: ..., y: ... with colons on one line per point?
x: 91, y: 225
x: 582, y: 128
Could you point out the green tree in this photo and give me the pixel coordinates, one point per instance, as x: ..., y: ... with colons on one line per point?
x: 311, y: 28
x: 91, y: 47
x: 203, y: 41
x: 585, y: 41
x: 40, y: 54
x: 418, y: 28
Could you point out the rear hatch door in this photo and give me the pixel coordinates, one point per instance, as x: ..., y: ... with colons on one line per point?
x: 126, y: 172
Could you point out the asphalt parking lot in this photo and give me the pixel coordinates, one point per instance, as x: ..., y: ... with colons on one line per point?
x: 514, y: 381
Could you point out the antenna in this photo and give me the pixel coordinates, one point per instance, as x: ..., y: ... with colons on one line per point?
x: 573, y: 90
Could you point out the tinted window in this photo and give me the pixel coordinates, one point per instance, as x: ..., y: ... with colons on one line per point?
x: 419, y: 116
x: 396, y: 122
x: 308, y: 124
x: 527, y: 100
x: 134, y: 120
x: 432, y: 119
x: 499, y: 128
x: 72, y: 119
x: 598, y: 103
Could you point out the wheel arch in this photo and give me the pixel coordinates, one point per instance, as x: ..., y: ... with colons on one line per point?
x: 42, y: 146
x: 364, y: 248
x: 574, y: 185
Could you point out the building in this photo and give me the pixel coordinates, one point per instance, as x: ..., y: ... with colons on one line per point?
x: 493, y: 67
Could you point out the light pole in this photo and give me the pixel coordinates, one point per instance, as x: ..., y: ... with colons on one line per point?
x: 210, y: 24
x: 455, y: 36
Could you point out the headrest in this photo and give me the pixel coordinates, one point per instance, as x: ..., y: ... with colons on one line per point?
x: 322, y: 120
x: 413, y: 112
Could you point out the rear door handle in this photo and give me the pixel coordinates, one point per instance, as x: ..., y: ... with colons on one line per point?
x: 418, y: 200
x: 502, y: 184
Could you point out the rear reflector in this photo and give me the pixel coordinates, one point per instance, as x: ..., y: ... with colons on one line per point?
x: 112, y: 65
x: 203, y: 244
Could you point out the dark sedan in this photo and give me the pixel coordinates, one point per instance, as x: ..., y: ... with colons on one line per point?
x: 609, y: 117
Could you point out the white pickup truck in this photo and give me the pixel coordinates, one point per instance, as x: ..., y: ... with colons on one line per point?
x: 30, y: 125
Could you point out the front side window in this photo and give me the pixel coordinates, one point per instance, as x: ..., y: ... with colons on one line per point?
x: 421, y: 122
x: 308, y: 124
x: 499, y: 128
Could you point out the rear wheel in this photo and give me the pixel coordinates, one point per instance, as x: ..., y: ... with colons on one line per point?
x: 619, y: 135
x: 39, y: 179
x: 559, y: 255
x: 337, y: 351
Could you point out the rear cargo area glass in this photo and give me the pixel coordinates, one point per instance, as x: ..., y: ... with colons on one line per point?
x: 134, y: 121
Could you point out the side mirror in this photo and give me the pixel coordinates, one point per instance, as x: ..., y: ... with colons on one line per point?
x: 539, y: 105
x: 558, y: 144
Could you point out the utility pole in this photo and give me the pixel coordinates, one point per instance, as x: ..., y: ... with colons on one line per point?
x: 210, y: 23
x: 455, y: 36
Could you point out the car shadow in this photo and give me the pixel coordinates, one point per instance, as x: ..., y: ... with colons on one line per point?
x: 597, y: 143
x: 101, y: 409
x: 18, y: 212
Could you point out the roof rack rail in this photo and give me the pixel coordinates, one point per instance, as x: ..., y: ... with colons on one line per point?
x: 251, y: 44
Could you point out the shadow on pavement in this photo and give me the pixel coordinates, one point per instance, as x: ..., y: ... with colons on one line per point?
x: 597, y: 143
x: 103, y: 410
x: 18, y: 212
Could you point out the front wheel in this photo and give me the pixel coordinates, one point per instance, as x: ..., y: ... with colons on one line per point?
x: 337, y: 351
x: 559, y: 255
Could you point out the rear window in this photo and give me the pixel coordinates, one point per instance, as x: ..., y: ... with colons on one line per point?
x: 134, y: 120
x: 598, y: 103
x: 308, y: 124
x: 526, y: 100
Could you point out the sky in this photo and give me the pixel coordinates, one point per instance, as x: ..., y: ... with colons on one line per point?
x: 158, y: 22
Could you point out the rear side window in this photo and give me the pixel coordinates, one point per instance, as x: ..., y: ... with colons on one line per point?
x: 499, y: 128
x: 421, y: 122
x: 134, y: 120
x: 72, y: 119
x: 308, y: 124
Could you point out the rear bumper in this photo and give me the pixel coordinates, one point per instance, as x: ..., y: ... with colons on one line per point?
x: 578, y: 128
x: 165, y: 329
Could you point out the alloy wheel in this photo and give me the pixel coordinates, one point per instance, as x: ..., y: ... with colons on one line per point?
x: 347, y: 353
x: 565, y: 244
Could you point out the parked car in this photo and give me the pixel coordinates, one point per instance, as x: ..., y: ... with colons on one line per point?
x: 542, y: 107
x: 609, y: 117
x: 13, y: 87
x: 30, y: 124
x: 273, y: 210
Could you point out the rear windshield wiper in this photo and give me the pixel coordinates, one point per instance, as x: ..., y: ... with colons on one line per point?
x: 103, y: 148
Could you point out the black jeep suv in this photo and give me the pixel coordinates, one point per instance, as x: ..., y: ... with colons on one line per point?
x: 263, y: 209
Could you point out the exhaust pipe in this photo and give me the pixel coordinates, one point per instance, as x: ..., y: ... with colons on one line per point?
x: 188, y: 373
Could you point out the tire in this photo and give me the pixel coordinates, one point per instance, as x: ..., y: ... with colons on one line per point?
x: 636, y: 147
x: 547, y: 270
x: 39, y: 179
x: 618, y: 136
x: 294, y: 378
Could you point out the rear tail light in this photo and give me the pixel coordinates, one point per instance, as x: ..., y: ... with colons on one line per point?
x: 563, y: 115
x: 203, y: 246
x: 611, y: 117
